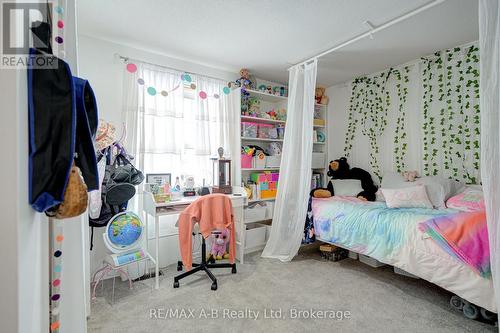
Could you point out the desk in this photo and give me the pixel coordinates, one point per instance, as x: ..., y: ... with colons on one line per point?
x: 151, y: 207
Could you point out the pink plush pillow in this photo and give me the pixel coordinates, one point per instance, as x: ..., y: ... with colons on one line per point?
x: 470, y: 200
x: 407, y: 197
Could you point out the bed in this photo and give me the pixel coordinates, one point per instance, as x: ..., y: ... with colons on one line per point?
x: 392, y: 236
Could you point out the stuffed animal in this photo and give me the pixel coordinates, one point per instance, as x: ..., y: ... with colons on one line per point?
x: 244, y: 80
x: 253, y: 106
x: 272, y: 114
x: 339, y: 169
x: 410, y: 176
x: 219, y: 244
x: 274, y: 149
x: 281, y: 114
x: 320, y: 96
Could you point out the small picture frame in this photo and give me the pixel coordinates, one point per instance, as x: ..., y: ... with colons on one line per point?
x: 159, y: 178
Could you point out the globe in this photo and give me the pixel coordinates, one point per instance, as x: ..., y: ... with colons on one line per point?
x: 124, y: 230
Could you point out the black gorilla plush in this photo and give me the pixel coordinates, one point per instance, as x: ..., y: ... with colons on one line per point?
x: 339, y: 169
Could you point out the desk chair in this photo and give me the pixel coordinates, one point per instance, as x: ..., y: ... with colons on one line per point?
x: 205, y: 264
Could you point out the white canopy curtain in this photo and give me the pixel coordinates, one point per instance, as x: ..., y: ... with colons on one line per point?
x: 489, y: 47
x: 177, y: 133
x: 295, y: 173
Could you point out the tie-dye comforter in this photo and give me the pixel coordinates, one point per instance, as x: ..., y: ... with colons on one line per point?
x: 463, y: 235
x: 392, y: 236
x: 368, y: 228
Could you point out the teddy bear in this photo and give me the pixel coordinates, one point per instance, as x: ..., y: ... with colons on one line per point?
x: 340, y: 169
x: 320, y: 96
x: 219, y: 244
x: 410, y: 176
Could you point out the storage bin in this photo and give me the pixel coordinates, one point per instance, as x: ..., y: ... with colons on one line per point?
x: 268, y: 194
x: 255, y: 236
x: 255, y: 213
x: 405, y: 273
x: 281, y: 132
x: 273, y: 161
x: 260, y: 161
x: 249, y: 130
x: 268, y: 231
x: 246, y: 161
x: 264, y: 131
x: 269, y: 210
x: 259, y: 177
x: 273, y: 133
x: 370, y: 261
x: 353, y: 255
x: 318, y: 160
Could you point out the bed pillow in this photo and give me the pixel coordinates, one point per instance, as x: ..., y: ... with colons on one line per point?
x: 406, y: 197
x: 347, y: 187
x: 470, y: 200
x: 438, y: 189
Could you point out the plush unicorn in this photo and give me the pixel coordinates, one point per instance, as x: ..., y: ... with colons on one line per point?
x: 219, y: 244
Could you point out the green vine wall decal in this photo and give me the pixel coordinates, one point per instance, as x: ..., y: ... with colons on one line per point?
x: 450, y: 112
x: 369, y: 104
x: 400, y: 132
x: 449, y: 117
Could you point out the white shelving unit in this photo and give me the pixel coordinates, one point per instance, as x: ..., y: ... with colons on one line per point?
x: 252, y: 226
x: 320, y: 149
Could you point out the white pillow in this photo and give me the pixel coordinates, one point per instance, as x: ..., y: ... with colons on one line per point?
x: 407, y: 197
x: 438, y: 189
x: 347, y: 187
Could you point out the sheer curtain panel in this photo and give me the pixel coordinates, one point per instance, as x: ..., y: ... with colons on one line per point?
x: 489, y: 48
x: 295, y: 173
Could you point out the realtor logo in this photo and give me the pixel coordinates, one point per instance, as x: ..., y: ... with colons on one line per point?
x: 16, y: 37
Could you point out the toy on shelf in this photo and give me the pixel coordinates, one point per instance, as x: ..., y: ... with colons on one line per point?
x: 272, y: 114
x: 269, y: 90
x: 281, y: 114
x: 262, y: 88
x: 244, y: 81
x: 219, y: 245
x: 276, y: 91
x: 320, y: 96
x: 250, y: 151
x: 253, y: 107
x: 283, y: 91
x: 274, y: 149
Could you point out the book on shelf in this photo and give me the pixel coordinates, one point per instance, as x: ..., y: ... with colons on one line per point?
x: 316, y: 180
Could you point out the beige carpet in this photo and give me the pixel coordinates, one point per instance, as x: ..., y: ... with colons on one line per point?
x: 374, y: 299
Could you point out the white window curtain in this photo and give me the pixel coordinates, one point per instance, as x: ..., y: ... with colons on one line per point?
x: 489, y: 48
x: 175, y: 130
x: 295, y: 173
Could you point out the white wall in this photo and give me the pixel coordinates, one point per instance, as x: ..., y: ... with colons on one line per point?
x: 99, y: 64
x: 24, y: 278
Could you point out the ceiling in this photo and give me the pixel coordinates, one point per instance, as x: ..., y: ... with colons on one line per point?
x: 268, y: 36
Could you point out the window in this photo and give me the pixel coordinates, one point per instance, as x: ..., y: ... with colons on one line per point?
x: 177, y: 131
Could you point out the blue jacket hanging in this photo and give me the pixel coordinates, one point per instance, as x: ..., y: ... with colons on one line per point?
x: 62, y: 122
